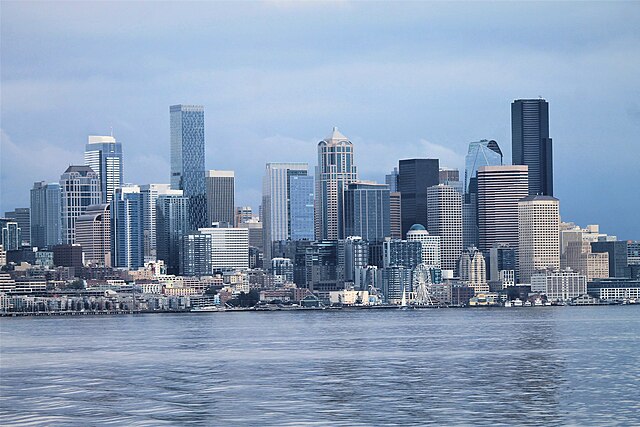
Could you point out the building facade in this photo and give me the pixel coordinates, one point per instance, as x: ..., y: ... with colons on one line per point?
x: 104, y: 156
x: 444, y: 219
x: 480, y: 153
x: 93, y: 234
x: 80, y: 187
x: 150, y: 194
x: 559, y: 285
x: 172, y: 224
x: 617, y: 250
x: 23, y: 217
x: 414, y: 177
x: 301, y: 205
x: 367, y: 210
x: 473, y: 270
x: 431, y: 251
x: 127, y: 228
x: 229, y: 248
x: 220, y: 197
x: 538, y: 235
x: 530, y: 143
x: 45, y: 215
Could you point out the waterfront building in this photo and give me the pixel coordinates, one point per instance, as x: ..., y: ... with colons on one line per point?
x: 187, y: 159
x: 127, y: 234
x: 321, y: 267
x: 150, y: 194
x: 531, y: 145
x: 45, y: 214
x: 229, y: 248
x: 502, y: 264
x: 444, y: 219
x: 104, y: 156
x: 559, y: 285
x: 617, y: 250
x: 396, y: 280
x: 356, y: 257
x: 615, y: 289
x: 220, y: 197
x: 392, y: 180
x: 23, y: 217
x: 80, y: 187
x: 480, y: 153
x: 276, y: 203
x: 172, y: 223
x: 301, y: 205
x: 414, y: 177
x: 633, y: 252
x: 93, y: 234
x: 579, y: 257
x: 395, y: 215
x: 336, y: 169
x: 473, y: 270
x: 367, y: 209
x: 538, y: 235
x: 430, y: 245
x: 499, y: 190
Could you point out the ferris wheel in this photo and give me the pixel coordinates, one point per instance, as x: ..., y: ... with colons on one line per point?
x: 421, y: 284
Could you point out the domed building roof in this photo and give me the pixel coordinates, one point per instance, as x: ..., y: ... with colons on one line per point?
x: 417, y: 227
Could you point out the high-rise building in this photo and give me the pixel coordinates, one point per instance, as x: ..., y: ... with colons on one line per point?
x: 367, y: 210
x: 633, y: 252
x: 431, y: 251
x: 499, y: 190
x: 538, y: 235
x: 480, y: 153
x: 444, y: 219
x: 502, y: 258
x: 530, y: 143
x: 220, y: 197
x: 150, y: 194
x: 301, y: 202
x: 579, y: 257
x: 395, y: 215
x: 23, y: 217
x: 80, y: 187
x: 414, y: 177
x: 187, y: 159
x: 451, y: 177
x: 244, y: 214
x: 195, y: 256
x: 171, y: 224
x: 392, y: 180
x: 336, y: 169
x: 256, y: 235
x: 104, y: 156
x: 276, y: 203
x: 473, y: 270
x: 46, y: 230
x: 356, y: 257
x: 229, y: 248
x: 617, y: 250
x: 282, y: 269
x: 93, y: 234
x: 470, y: 215
x: 401, y: 252
x: 127, y: 228
x: 10, y: 235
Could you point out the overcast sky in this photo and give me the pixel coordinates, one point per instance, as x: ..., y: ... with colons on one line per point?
x: 400, y: 80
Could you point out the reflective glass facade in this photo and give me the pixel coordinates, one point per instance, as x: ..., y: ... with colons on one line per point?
x: 301, y: 190
x: 367, y: 211
x: 480, y: 153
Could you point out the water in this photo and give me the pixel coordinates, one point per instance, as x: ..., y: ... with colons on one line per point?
x: 535, y: 366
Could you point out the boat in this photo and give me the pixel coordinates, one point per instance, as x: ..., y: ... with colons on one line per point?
x: 508, y: 304
x: 517, y: 302
x: 538, y: 302
x: 403, y: 304
x: 527, y: 303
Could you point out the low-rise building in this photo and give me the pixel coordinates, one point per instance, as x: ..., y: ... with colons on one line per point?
x: 559, y: 285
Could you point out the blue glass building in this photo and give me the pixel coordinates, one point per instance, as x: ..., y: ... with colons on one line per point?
x: 127, y: 228
x: 171, y: 227
x: 104, y: 155
x: 480, y: 153
x: 301, y: 197
x: 367, y: 211
x: 187, y: 159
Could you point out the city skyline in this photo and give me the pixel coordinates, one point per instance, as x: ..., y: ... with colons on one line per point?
x: 443, y: 102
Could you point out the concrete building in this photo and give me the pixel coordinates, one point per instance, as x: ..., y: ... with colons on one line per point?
x: 559, y: 285
x: 615, y: 289
x: 579, y: 257
x: 282, y: 269
x: 45, y: 214
x: 502, y: 264
x: 415, y: 176
x: 538, y: 235
x: 336, y: 169
x: 531, y: 145
x: 93, y: 234
x: 444, y: 219
x: 473, y: 270
x: 229, y: 248
x: 617, y: 250
x: 499, y: 190
x: 104, y: 156
x: 80, y: 187
x: 187, y: 159
x: 430, y: 245
x: 395, y: 215
x: 367, y: 209
x: 220, y: 197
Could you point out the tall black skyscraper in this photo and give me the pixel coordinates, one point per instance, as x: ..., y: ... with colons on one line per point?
x: 414, y: 177
x: 531, y: 144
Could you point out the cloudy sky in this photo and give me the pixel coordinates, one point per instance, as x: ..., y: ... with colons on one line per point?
x: 400, y: 79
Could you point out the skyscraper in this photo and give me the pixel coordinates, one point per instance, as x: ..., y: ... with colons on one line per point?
x: 80, y: 187
x: 150, y: 194
x: 444, y: 219
x: 220, y: 197
x: 171, y: 226
x: 473, y: 270
x: 301, y: 202
x: 395, y: 215
x: 430, y: 245
x: 10, y: 235
x: 367, y: 210
x: 538, y: 236
x: 104, y: 155
x: 23, y: 217
x: 187, y: 159
x: 93, y: 233
x: 335, y: 170
x: 480, y: 153
x: 531, y: 145
x: 415, y: 176
x: 276, y: 203
x: 499, y: 190
x: 46, y: 230
x: 392, y: 180
x: 617, y: 250
x: 127, y: 228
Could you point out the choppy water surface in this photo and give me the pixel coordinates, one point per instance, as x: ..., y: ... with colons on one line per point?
x: 542, y: 366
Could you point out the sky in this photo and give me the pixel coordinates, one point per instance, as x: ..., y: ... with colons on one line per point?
x: 401, y: 80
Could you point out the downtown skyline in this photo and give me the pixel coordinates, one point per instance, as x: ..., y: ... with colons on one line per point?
x: 391, y: 103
